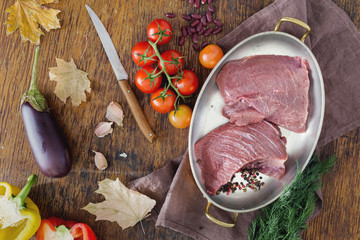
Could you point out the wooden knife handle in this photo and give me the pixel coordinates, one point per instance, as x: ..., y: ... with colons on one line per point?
x: 137, y: 111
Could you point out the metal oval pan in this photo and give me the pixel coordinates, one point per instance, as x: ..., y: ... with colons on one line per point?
x: 300, y: 147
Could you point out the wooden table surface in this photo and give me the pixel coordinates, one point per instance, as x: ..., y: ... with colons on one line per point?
x: 127, y: 22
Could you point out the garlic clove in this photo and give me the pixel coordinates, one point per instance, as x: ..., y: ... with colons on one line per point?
x: 103, y: 129
x: 115, y: 113
x: 100, y: 161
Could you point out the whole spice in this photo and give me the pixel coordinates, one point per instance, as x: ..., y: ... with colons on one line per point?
x: 19, y: 216
x: 115, y: 113
x: 100, y: 161
x: 103, y: 129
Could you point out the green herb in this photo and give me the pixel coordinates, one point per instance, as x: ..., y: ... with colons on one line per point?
x: 287, y: 216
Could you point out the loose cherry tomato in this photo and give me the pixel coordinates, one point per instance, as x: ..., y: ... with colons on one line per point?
x: 188, y: 84
x: 165, y: 103
x: 181, y: 118
x: 141, y: 53
x: 171, y: 55
x: 145, y: 80
x: 159, y: 28
x: 210, y: 56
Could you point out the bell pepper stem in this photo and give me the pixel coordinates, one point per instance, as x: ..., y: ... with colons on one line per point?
x: 20, y: 198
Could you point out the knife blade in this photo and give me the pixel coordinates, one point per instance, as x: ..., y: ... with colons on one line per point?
x: 121, y: 76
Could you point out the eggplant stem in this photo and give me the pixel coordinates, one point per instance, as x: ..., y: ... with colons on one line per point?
x: 33, y: 83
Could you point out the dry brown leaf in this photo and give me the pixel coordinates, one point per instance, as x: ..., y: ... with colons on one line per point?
x: 27, y: 15
x: 71, y: 82
x: 121, y: 205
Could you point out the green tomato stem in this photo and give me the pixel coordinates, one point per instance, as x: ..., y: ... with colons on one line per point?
x: 166, y: 73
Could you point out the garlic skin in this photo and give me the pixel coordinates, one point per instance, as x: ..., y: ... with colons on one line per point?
x: 100, y: 161
x: 115, y: 113
x: 103, y: 129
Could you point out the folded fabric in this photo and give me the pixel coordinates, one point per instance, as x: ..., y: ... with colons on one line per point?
x: 335, y: 42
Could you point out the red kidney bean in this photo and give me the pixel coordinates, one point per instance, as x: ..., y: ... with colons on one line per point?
x: 203, y: 20
x: 196, y: 47
x: 194, y: 23
x: 186, y: 17
x: 217, y: 23
x: 201, y: 31
x: 183, y: 31
x: 199, y: 27
x: 209, y: 31
x: 181, y: 40
x: 197, y: 3
x: 170, y: 15
x: 211, y: 8
x: 195, y: 16
x: 192, y: 1
x: 217, y: 30
x: 203, y: 1
x: 208, y: 16
x: 204, y: 44
x: 188, y: 29
x: 195, y: 38
x: 193, y: 30
x: 209, y: 1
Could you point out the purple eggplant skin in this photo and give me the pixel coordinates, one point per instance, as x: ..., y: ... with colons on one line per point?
x: 47, y: 142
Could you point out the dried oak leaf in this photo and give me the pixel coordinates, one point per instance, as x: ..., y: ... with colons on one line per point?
x: 27, y: 15
x: 121, y: 205
x: 71, y: 82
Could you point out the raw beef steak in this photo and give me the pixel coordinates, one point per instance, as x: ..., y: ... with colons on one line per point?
x: 228, y: 148
x: 268, y: 87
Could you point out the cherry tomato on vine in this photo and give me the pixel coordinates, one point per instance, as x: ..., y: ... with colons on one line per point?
x: 159, y: 28
x: 210, y: 56
x: 141, y: 53
x: 145, y: 80
x: 181, y: 118
x: 163, y: 104
x: 188, y: 84
x: 173, y: 67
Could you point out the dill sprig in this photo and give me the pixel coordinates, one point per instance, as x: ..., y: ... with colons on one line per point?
x: 286, y: 217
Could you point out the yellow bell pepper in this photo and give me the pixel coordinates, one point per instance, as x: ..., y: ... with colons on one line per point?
x: 21, y: 208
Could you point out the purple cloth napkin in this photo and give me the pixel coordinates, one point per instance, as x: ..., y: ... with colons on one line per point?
x: 335, y: 42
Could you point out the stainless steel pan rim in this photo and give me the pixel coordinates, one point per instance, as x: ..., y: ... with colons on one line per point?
x: 316, y: 114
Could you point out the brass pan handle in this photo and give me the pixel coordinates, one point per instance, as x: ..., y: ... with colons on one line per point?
x: 218, y: 222
x: 296, y: 21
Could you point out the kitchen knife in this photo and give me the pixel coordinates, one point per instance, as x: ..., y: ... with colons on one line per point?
x: 121, y: 76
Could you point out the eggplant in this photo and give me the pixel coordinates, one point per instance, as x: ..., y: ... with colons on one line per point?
x: 46, y: 140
